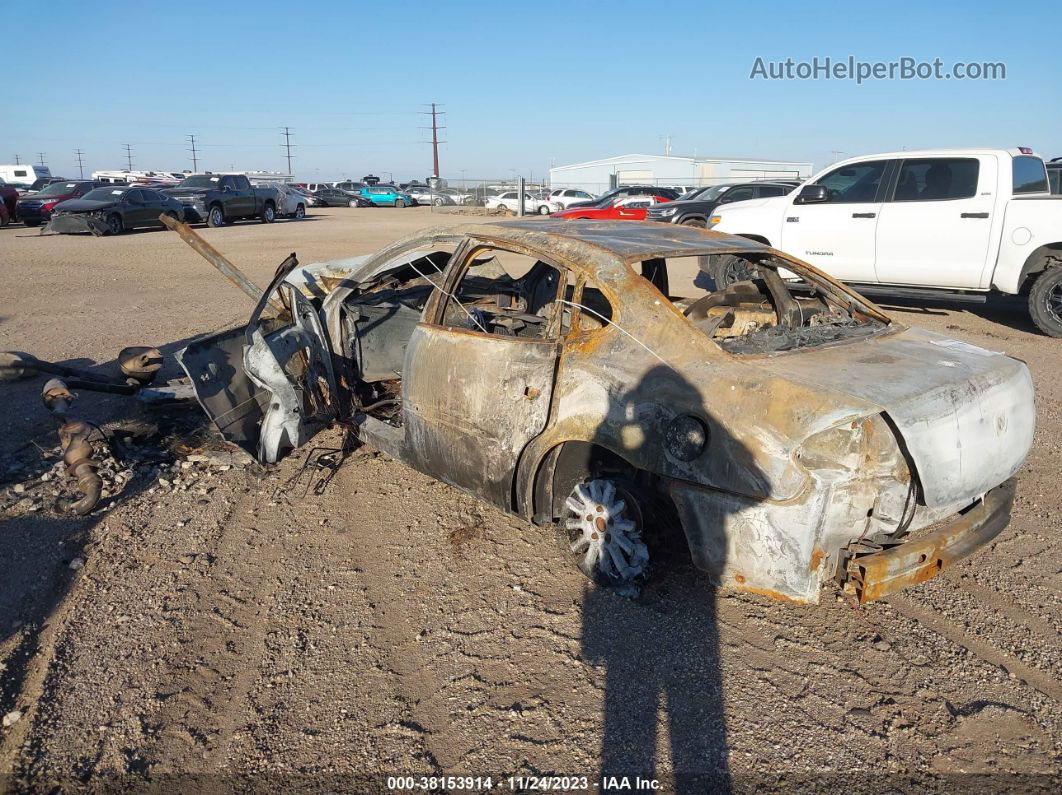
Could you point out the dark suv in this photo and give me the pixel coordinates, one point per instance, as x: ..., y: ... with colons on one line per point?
x: 693, y: 209
x: 606, y: 199
x: 36, y: 209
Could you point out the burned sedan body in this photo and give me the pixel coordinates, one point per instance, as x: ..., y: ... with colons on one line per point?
x: 591, y: 376
x: 113, y: 209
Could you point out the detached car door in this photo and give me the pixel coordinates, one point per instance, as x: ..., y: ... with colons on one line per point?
x: 479, y: 368
x: 838, y: 234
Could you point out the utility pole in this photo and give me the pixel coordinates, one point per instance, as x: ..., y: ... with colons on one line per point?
x: 80, y: 165
x: 17, y: 161
x: 128, y: 156
x: 667, y: 145
x: 287, y: 145
x: 435, y: 114
x: 195, y: 162
x: 40, y: 156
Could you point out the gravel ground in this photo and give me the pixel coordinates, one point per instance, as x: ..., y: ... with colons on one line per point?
x: 232, y: 625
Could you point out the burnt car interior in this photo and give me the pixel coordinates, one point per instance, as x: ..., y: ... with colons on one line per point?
x: 766, y: 310
x: 500, y: 292
x: 503, y: 293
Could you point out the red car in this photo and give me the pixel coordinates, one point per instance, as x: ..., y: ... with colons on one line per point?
x: 627, y: 208
x: 35, y: 209
x: 8, y: 201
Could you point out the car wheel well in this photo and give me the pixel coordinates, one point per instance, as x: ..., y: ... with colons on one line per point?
x: 1046, y: 256
x: 757, y: 238
x: 572, y: 462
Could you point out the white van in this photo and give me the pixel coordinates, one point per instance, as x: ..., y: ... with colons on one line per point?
x: 23, y: 174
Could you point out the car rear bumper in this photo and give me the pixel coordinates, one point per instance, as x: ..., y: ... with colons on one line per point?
x: 925, y: 554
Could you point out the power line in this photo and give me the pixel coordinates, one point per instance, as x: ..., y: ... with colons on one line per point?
x: 434, y: 136
x: 195, y: 162
x: 129, y: 155
x: 80, y: 165
x: 287, y: 145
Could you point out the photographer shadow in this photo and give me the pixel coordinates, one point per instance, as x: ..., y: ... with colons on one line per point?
x: 661, y: 652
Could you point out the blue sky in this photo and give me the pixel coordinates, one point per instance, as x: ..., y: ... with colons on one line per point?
x: 522, y: 85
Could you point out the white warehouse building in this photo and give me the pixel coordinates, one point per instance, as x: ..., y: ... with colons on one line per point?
x: 598, y: 176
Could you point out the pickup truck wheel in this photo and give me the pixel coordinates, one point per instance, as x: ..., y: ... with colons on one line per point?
x: 698, y: 222
x: 269, y: 213
x: 114, y: 224
x: 727, y: 269
x: 1045, y: 302
x: 399, y: 203
x: 300, y: 212
x: 604, y: 526
x: 215, y: 217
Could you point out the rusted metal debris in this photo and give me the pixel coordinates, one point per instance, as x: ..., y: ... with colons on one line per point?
x: 218, y: 260
x: 74, y: 436
x: 138, y: 367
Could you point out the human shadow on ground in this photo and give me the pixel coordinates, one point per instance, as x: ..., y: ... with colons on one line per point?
x: 661, y: 651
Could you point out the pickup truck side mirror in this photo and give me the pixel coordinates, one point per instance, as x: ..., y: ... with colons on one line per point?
x: 813, y: 194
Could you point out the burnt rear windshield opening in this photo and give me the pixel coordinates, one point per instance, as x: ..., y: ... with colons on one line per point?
x: 757, y: 303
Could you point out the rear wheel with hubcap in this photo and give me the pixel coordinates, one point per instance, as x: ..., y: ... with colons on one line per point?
x: 604, y: 525
x: 269, y: 213
x: 1045, y: 301
x: 300, y: 212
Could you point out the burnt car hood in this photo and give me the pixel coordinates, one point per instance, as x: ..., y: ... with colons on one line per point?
x: 82, y: 206
x: 965, y: 414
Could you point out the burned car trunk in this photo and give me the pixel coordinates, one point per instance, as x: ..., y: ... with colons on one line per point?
x: 580, y: 373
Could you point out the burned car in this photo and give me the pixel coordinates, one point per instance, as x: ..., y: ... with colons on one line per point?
x: 113, y: 209
x: 591, y: 376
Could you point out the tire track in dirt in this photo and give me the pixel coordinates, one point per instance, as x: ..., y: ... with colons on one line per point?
x: 1041, y: 680
x: 223, y: 614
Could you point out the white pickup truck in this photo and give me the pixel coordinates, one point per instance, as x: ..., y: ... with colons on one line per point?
x: 956, y: 222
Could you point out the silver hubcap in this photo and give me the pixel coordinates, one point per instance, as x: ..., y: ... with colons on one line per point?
x: 216, y: 216
x: 600, y: 530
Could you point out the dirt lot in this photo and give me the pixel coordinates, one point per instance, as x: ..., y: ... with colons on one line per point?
x: 219, y: 621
